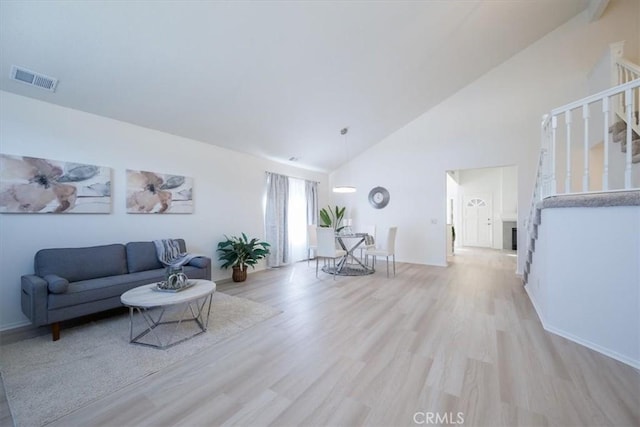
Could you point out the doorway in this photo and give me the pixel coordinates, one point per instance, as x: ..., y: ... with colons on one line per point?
x: 480, y: 204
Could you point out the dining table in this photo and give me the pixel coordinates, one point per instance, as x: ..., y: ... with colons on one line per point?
x: 350, y: 264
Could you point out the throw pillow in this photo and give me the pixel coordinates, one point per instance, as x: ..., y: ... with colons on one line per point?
x: 56, y: 284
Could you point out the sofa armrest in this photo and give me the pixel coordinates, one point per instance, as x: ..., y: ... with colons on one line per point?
x: 204, y: 263
x: 33, y: 296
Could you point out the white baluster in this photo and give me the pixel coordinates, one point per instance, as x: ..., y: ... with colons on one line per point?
x: 629, y: 111
x: 620, y: 81
x: 585, y: 176
x: 567, y: 181
x: 552, y: 155
x: 637, y: 117
x: 619, y: 69
x: 543, y: 174
x: 605, y: 170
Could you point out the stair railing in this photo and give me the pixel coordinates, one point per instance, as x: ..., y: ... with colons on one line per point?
x: 535, y: 198
x: 560, y: 142
x: 618, y: 107
x: 626, y: 72
x: 560, y: 133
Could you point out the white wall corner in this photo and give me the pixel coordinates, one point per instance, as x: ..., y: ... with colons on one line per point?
x: 596, y: 9
x: 616, y: 49
x: 604, y: 73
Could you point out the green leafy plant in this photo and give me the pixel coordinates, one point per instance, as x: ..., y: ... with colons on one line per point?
x: 241, y: 252
x: 332, y: 217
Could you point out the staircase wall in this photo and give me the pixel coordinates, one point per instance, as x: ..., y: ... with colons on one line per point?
x: 585, y: 278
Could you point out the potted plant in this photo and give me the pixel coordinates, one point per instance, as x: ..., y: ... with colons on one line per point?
x: 240, y: 252
x: 332, y: 217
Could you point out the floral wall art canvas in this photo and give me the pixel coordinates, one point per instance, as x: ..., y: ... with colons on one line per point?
x: 151, y: 192
x: 35, y: 185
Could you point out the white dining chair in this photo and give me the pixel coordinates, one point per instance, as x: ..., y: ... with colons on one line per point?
x: 312, y: 241
x: 388, y: 251
x: 327, y: 247
x: 370, y: 240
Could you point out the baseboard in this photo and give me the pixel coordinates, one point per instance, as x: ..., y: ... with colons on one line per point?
x: 593, y: 346
x: 14, y: 325
x: 586, y: 343
x: 223, y: 281
x: 535, y: 306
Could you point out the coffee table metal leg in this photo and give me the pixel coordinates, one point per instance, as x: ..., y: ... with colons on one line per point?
x: 151, y: 325
x: 197, y: 313
x: 130, y: 324
x: 178, y: 323
x: 199, y: 317
x: 206, y: 325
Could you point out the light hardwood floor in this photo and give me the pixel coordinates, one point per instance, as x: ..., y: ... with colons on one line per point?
x: 376, y: 351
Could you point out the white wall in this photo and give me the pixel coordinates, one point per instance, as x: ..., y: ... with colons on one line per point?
x: 228, y: 188
x: 454, y: 213
x: 492, y: 122
x: 585, y: 278
x: 453, y: 208
x: 509, y: 192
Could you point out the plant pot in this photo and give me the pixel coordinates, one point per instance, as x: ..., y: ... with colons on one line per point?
x: 239, y: 275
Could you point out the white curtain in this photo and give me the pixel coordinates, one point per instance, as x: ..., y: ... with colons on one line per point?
x: 276, y: 219
x: 311, y: 192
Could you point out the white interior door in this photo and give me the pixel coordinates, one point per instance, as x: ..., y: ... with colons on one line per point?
x: 478, y: 220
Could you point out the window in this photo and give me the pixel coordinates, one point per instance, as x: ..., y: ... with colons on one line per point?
x: 291, y: 204
x: 476, y: 203
x: 297, y: 215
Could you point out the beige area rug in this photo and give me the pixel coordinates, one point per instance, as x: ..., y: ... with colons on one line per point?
x: 45, y: 380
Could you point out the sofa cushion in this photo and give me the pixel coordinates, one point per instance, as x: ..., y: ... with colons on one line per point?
x: 107, y: 287
x: 56, y: 284
x: 76, y: 264
x: 200, y: 262
x: 142, y: 256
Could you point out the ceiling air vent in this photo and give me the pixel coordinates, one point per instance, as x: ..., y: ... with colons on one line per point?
x: 32, y: 78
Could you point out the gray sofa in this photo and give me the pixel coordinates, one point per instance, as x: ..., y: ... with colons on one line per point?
x: 73, y: 282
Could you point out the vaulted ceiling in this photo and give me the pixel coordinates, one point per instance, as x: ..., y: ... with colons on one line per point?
x: 271, y: 78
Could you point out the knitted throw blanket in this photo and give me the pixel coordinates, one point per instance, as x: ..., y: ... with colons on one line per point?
x: 168, y: 251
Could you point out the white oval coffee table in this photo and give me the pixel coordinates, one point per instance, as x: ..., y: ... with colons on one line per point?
x: 152, y: 305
